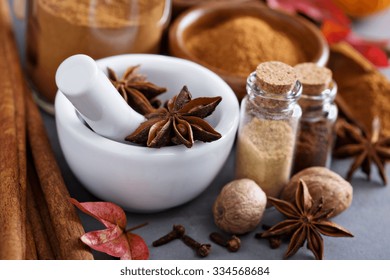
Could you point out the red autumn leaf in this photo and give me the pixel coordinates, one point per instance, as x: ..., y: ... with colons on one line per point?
x: 111, y: 241
x: 330, y: 11
x: 114, y: 240
x: 138, y: 248
x: 372, y: 52
x: 306, y: 7
x: 318, y: 10
x: 107, y: 213
x: 334, y: 32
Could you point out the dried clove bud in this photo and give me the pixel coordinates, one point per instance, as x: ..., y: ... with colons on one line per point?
x: 233, y: 244
x: 202, y: 250
x: 177, y: 232
x: 274, y: 241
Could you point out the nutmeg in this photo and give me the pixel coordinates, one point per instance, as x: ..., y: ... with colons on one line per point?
x: 322, y: 182
x: 239, y: 207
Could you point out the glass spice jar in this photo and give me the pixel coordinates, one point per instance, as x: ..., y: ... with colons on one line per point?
x: 99, y: 28
x: 319, y: 113
x: 268, y: 125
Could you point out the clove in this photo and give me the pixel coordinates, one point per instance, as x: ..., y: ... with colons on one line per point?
x: 274, y: 241
x: 233, y: 244
x: 177, y: 232
x: 202, y: 250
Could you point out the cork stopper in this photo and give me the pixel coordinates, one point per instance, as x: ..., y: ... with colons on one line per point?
x: 276, y: 77
x: 315, y: 79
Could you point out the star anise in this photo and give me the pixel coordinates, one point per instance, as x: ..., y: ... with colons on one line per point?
x: 179, y: 122
x: 139, y: 93
x: 366, y: 147
x: 306, y: 221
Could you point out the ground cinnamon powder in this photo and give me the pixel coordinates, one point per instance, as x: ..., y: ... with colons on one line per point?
x: 239, y: 44
x: 59, y: 29
x: 362, y: 86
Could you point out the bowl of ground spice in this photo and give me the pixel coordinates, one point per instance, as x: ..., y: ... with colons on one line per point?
x: 231, y: 39
x: 179, y: 6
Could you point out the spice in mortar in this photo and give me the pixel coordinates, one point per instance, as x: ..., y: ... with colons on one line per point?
x: 268, y: 126
x: 237, y: 45
x: 316, y: 131
x: 137, y: 91
x: 180, y: 121
x: 59, y: 29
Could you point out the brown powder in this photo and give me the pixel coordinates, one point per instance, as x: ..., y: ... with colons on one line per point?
x: 361, y: 85
x: 107, y: 14
x: 315, y: 134
x: 314, y: 144
x: 239, y: 44
x: 264, y: 154
x: 59, y: 29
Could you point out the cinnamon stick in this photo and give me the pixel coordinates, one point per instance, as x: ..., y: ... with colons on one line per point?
x: 18, y: 86
x: 31, y: 250
x: 40, y: 236
x: 63, y: 216
x: 44, y: 237
x: 11, y: 230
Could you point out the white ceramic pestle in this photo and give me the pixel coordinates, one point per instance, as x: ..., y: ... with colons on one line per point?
x: 95, y: 98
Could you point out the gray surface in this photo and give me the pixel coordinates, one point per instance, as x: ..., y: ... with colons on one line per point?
x: 367, y: 218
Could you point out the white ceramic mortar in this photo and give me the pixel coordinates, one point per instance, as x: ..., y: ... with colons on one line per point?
x: 144, y: 179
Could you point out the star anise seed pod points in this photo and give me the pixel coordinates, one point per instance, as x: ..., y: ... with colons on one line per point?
x: 306, y: 221
x: 179, y: 122
x: 135, y: 89
x: 366, y: 148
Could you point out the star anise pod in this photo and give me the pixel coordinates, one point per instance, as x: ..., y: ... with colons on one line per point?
x: 366, y: 147
x: 306, y: 221
x: 179, y: 122
x: 139, y: 93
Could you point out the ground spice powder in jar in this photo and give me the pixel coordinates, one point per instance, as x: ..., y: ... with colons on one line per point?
x: 316, y: 126
x: 59, y: 29
x: 313, y: 144
x: 237, y: 45
x: 268, y: 124
x: 264, y: 154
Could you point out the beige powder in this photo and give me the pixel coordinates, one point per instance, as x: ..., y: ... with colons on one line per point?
x: 264, y: 154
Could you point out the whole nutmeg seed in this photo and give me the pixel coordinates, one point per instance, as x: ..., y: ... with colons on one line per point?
x: 322, y: 182
x: 239, y: 207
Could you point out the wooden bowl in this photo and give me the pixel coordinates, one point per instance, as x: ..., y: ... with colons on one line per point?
x: 179, y: 6
x: 198, y: 18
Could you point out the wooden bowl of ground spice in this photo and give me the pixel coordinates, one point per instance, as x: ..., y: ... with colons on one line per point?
x: 231, y: 39
x: 179, y: 6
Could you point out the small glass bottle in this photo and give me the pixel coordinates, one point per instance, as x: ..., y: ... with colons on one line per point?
x: 268, y: 125
x: 319, y: 113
